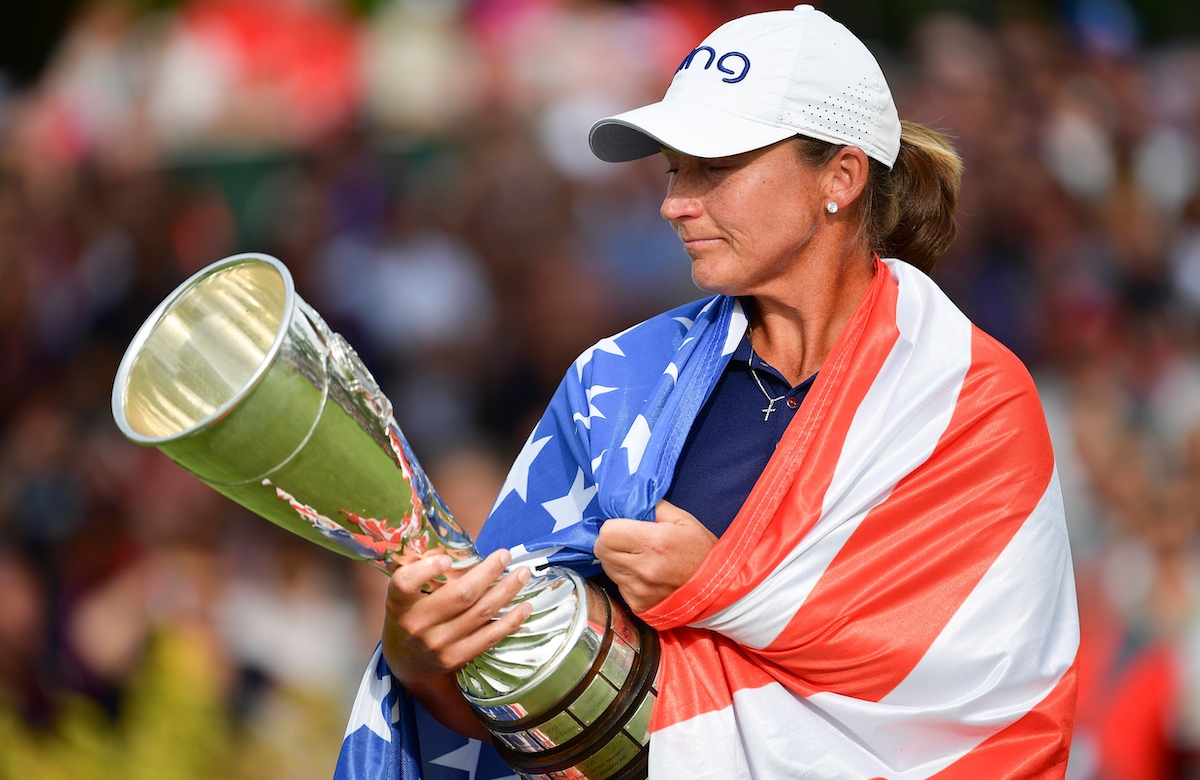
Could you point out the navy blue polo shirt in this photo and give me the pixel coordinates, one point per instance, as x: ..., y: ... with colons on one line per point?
x: 732, y: 439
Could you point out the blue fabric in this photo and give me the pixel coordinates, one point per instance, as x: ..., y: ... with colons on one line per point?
x: 417, y: 746
x: 381, y: 740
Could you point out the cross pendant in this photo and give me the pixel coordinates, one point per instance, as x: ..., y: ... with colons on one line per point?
x: 770, y: 407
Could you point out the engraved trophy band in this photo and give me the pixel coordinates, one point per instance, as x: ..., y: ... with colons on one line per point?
x: 240, y: 382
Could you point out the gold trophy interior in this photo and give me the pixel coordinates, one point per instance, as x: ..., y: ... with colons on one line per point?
x: 205, y: 349
x: 240, y: 382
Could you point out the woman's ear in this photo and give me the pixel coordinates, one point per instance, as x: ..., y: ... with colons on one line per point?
x: 847, y: 174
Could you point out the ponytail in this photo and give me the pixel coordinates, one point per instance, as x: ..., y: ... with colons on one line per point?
x: 908, y: 211
x: 924, y: 189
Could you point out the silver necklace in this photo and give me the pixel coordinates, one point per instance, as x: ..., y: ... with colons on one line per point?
x: 770, y: 407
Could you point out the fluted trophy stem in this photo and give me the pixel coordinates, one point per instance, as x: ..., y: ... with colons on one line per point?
x: 239, y: 381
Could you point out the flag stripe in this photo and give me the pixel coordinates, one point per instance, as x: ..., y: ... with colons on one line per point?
x: 922, y: 552
x: 887, y: 436
x: 1033, y: 748
x: 887, y: 592
x: 1000, y: 658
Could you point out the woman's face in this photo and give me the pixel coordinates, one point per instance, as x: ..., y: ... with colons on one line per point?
x: 744, y: 220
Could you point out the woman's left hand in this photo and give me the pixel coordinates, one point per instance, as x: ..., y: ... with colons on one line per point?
x: 649, y: 561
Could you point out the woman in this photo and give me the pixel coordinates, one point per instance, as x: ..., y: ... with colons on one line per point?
x: 857, y: 563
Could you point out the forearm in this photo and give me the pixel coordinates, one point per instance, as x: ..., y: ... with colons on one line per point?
x: 440, y: 695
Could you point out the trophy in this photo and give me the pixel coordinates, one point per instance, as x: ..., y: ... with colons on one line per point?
x: 240, y: 382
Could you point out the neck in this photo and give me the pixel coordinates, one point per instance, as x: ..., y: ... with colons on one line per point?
x: 796, y: 331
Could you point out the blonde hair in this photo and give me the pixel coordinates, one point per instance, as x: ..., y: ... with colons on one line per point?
x: 908, y: 211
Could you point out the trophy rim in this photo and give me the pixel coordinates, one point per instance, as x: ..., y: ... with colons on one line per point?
x: 152, y: 321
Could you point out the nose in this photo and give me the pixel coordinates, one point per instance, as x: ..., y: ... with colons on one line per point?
x: 681, y: 200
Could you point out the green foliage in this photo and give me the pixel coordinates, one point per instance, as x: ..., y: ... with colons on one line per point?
x: 174, y: 723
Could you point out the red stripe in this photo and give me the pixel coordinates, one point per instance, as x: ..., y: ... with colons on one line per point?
x: 907, y: 569
x: 701, y: 670
x: 1033, y: 748
x: 755, y: 538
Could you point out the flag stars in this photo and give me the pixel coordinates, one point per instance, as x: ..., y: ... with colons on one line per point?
x: 592, y: 392
x: 608, y: 345
x: 465, y: 759
x: 369, y: 708
x: 636, y: 441
x: 568, y: 510
x: 518, y: 477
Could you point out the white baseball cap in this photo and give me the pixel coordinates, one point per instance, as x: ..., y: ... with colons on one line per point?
x: 757, y: 80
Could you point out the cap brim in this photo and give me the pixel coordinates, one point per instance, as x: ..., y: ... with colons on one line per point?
x: 695, y: 129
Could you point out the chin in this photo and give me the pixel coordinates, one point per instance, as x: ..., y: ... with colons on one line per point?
x: 703, y: 276
x: 715, y: 286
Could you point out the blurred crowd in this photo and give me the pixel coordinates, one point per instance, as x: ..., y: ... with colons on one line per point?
x: 422, y: 169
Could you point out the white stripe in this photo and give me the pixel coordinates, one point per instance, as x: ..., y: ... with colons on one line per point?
x: 1008, y: 645
x: 895, y: 429
x: 675, y: 751
x: 1001, y: 654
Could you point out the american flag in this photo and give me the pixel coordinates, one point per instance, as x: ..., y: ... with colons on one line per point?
x: 895, y: 598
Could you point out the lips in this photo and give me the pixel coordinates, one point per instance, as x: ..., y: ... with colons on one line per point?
x: 699, y: 243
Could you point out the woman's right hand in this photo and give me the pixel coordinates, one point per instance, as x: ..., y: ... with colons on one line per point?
x: 429, y: 636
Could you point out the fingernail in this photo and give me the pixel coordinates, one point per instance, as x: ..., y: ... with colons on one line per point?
x: 446, y: 562
x: 523, y: 575
x: 505, y: 557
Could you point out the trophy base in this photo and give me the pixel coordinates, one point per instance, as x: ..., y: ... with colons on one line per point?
x: 599, y: 727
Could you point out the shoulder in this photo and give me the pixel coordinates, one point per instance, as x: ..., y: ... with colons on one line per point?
x: 663, y: 332
x: 637, y: 357
x: 992, y: 365
x: 682, y: 318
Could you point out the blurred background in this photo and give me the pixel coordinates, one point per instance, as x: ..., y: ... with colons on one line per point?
x: 421, y: 166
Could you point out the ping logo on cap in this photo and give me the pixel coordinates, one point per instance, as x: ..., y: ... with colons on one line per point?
x: 732, y: 76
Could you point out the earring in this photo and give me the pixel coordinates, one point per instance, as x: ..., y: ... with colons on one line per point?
x: 831, y: 207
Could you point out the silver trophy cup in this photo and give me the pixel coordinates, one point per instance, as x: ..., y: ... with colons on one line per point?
x: 241, y: 382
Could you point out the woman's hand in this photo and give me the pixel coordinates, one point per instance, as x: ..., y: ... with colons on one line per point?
x: 649, y: 561
x: 427, y: 637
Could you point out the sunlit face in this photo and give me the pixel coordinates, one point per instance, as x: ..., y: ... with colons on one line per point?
x: 744, y: 220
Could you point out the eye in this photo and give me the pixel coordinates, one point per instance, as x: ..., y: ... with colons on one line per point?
x: 724, y: 163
